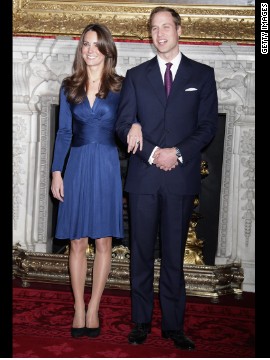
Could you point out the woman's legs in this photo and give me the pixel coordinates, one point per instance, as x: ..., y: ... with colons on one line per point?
x: 101, y: 269
x: 78, y: 268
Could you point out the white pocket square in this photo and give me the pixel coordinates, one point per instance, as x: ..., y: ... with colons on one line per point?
x: 191, y: 89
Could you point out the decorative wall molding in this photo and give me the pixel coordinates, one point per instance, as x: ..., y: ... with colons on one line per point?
x: 127, y: 20
x: 19, y: 133
x: 248, y: 162
x: 45, y: 164
x: 229, y: 110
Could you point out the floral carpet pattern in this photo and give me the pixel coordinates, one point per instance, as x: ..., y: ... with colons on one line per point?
x: 42, y: 320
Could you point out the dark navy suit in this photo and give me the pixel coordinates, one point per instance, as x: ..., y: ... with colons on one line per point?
x: 163, y: 200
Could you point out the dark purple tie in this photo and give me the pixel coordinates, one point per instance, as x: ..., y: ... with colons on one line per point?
x: 168, y: 78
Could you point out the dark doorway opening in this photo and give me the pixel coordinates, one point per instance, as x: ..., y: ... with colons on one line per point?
x: 207, y: 227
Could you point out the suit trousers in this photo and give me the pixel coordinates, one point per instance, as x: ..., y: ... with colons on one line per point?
x: 169, y: 214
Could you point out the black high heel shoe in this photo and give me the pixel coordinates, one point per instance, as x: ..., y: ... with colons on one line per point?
x: 92, y: 332
x: 78, y: 332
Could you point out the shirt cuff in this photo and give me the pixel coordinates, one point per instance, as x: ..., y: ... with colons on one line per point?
x: 151, y: 158
x: 180, y: 159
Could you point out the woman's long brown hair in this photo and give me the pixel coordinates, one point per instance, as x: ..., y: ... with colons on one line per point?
x: 77, y: 84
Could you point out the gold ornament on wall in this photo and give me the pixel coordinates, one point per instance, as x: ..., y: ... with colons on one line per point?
x: 127, y: 20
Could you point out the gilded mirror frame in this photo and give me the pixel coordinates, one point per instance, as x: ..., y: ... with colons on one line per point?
x: 127, y: 20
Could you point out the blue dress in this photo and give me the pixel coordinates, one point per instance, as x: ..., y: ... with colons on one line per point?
x: 92, y: 204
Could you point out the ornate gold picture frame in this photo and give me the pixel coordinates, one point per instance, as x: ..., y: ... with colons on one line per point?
x: 127, y: 20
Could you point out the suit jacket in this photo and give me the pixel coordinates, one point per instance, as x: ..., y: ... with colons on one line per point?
x: 187, y: 120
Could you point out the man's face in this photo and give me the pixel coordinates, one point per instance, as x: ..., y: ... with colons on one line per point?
x: 165, y: 35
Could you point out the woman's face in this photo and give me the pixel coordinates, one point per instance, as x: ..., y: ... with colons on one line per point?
x: 90, y: 53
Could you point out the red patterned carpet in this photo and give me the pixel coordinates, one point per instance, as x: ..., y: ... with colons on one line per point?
x: 42, y: 320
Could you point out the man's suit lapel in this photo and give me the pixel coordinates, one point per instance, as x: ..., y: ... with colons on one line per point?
x: 181, y: 77
x: 154, y: 77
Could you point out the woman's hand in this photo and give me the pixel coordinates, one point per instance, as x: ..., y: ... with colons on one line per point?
x: 57, y: 186
x: 135, y: 138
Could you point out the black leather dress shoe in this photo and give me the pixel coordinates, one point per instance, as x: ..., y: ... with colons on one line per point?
x: 179, y: 339
x: 92, y: 332
x: 77, y: 332
x: 139, y: 333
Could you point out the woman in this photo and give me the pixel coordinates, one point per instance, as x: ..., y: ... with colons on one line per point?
x: 90, y: 193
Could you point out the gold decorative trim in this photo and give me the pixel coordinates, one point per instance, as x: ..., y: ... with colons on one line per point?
x: 127, y: 20
x: 201, y: 280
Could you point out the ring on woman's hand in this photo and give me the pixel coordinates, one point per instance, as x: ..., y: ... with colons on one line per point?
x: 137, y: 142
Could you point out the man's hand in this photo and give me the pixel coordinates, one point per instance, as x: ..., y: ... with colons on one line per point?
x: 165, y: 159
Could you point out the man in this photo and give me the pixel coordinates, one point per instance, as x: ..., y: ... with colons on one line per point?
x: 164, y: 173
